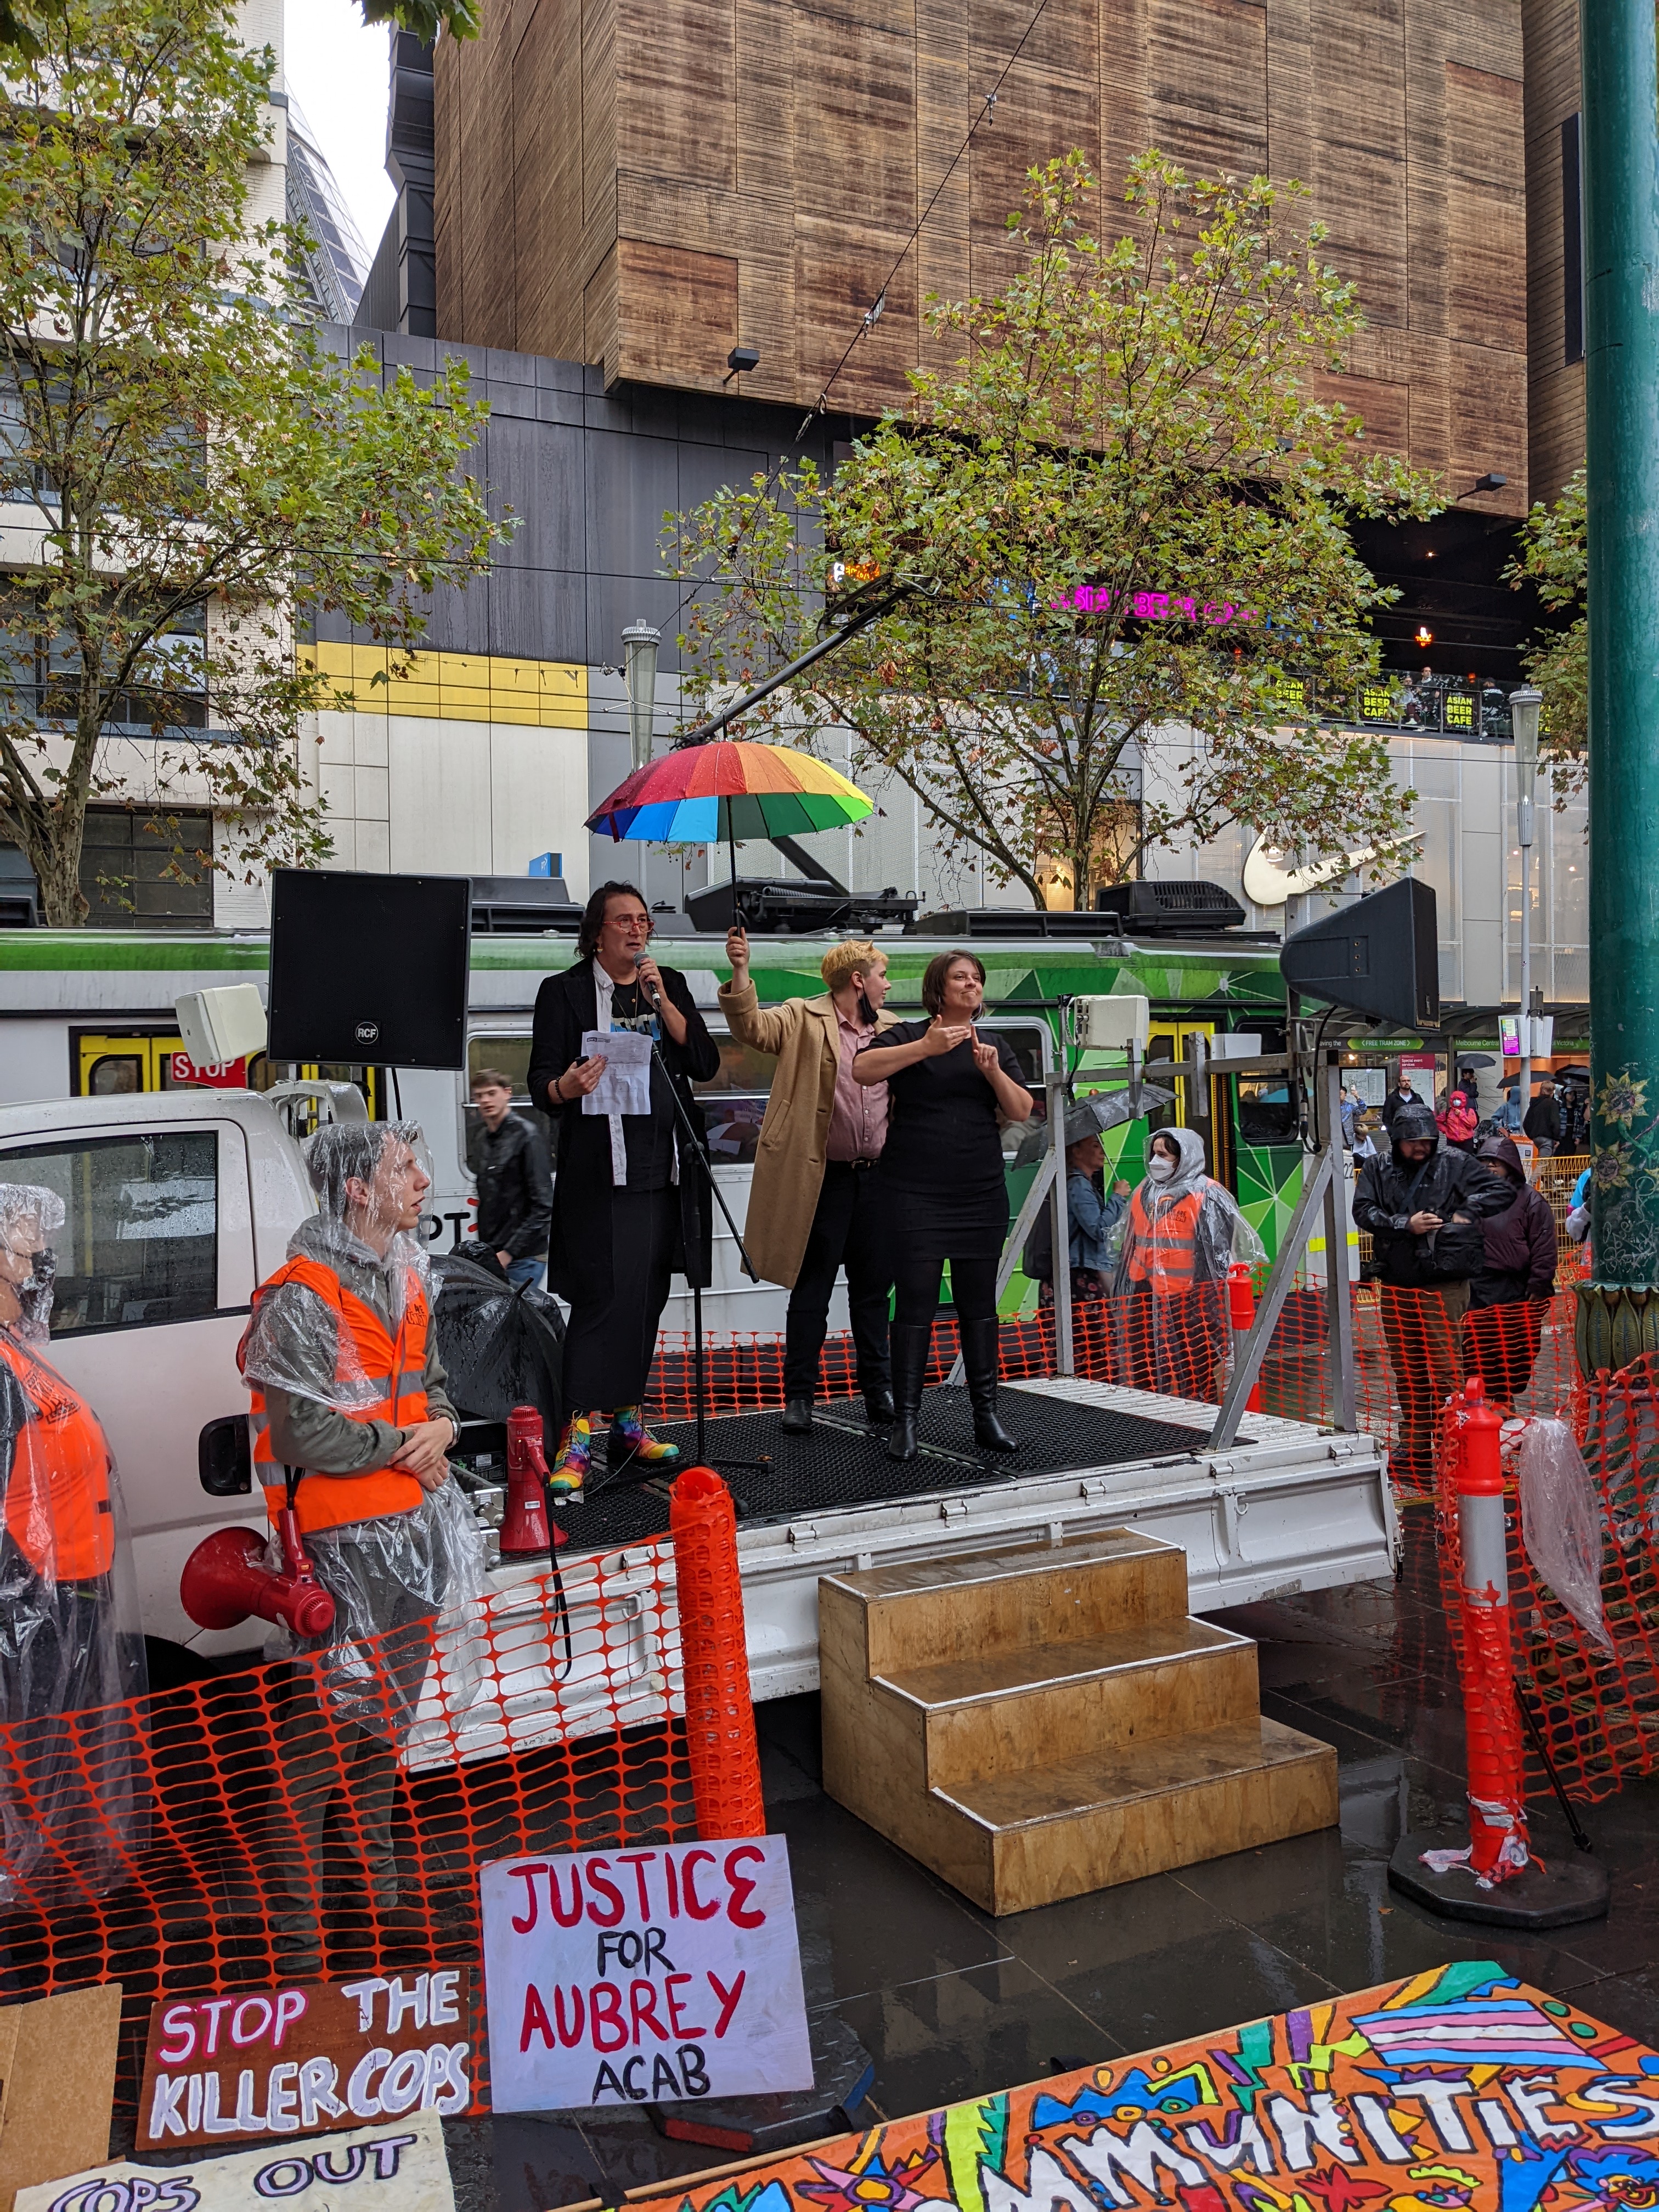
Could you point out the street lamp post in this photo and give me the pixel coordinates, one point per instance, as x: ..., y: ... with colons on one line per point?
x: 1525, y: 706
x: 639, y: 644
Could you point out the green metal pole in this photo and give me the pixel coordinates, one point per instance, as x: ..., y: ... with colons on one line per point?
x: 1617, y: 1317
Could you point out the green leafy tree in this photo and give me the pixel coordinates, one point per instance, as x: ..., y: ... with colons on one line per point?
x: 1554, y: 558
x: 1109, y: 542
x: 22, y: 32
x: 191, y: 476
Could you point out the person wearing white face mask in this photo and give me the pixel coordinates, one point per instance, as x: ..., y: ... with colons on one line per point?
x: 1182, y: 1232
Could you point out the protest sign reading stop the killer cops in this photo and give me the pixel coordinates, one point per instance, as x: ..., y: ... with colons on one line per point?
x: 310, y: 2055
x: 643, y: 1977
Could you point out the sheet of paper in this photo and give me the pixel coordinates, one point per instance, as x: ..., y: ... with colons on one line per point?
x: 625, y: 1086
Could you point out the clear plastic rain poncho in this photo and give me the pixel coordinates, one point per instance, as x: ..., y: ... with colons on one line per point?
x: 1561, y: 1522
x: 72, y: 1800
x: 392, y: 1575
x: 1177, y: 1237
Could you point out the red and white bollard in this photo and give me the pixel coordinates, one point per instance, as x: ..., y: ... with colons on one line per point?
x: 1493, y: 1877
x: 1497, y: 1816
x: 1241, y: 1313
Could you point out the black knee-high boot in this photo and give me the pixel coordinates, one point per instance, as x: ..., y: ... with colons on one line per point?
x: 911, y: 1344
x: 979, y: 1360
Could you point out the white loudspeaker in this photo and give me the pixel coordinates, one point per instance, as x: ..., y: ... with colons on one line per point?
x: 1112, y: 1024
x: 221, y: 1025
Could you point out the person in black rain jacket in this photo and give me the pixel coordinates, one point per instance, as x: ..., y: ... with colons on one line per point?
x: 1423, y: 1208
x: 508, y: 1157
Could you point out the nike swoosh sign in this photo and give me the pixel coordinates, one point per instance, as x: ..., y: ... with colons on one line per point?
x: 1268, y: 883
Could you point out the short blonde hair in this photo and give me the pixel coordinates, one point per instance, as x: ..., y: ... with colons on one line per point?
x: 857, y: 955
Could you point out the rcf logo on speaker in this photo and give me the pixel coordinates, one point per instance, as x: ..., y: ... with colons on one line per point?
x: 367, y: 1032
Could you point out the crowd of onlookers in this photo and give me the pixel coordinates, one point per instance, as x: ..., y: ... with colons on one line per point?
x: 1464, y: 1246
x: 1554, y: 1119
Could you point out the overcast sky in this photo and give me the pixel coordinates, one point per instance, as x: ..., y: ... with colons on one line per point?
x: 336, y: 67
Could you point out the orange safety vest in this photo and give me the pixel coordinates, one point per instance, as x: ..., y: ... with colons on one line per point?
x: 395, y: 1366
x: 1162, y: 1251
x: 59, y: 1511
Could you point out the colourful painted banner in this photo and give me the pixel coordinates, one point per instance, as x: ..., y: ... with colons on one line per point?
x: 1457, y: 2091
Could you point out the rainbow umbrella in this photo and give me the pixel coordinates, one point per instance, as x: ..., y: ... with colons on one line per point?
x: 727, y: 789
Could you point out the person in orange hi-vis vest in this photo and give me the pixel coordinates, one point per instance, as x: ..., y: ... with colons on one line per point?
x: 1181, y: 1233
x: 341, y: 1356
x: 71, y: 1652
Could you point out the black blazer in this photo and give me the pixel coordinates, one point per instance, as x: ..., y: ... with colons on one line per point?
x: 579, y: 1245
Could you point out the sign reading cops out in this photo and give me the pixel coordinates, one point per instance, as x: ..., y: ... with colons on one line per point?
x: 399, y: 2168
x: 644, y: 1976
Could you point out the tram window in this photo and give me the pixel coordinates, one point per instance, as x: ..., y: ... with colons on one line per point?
x: 509, y: 1056
x: 1266, y: 1110
x: 1025, y: 1042
x: 734, y: 1100
x: 115, y: 1075
x: 140, y: 1240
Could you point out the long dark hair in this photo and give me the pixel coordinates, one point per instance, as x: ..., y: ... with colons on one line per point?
x: 587, y: 937
x: 932, y: 982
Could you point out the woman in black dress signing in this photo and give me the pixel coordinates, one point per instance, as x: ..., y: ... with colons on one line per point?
x: 942, y: 1180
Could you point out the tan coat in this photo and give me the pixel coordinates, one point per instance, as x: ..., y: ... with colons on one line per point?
x: 794, y: 1136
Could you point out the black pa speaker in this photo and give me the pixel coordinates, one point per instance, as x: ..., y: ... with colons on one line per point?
x: 1379, y: 957
x: 369, y: 968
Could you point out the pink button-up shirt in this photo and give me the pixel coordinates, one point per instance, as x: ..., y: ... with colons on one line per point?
x: 857, y: 1119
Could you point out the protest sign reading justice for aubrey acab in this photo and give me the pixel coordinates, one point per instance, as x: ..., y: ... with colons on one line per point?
x: 643, y: 1977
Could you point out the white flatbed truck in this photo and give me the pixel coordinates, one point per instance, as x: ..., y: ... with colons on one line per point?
x: 180, y: 1202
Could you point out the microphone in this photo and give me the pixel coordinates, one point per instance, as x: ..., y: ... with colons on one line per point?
x: 652, y: 991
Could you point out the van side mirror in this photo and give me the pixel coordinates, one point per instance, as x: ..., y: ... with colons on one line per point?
x: 224, y: 1457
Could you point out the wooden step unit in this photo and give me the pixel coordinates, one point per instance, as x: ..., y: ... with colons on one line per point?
x: 1036, y: 1723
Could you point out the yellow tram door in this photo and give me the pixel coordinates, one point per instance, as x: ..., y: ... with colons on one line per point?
x: 115, y: 1066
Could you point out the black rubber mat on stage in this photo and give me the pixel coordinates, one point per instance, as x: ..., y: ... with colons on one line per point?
x: 844, y: 1463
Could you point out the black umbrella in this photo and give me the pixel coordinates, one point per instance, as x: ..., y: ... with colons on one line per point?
x: 1100, y: 1109
x: 500, y: 1347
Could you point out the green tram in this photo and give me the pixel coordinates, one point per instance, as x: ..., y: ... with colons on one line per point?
x: 87, y: 1014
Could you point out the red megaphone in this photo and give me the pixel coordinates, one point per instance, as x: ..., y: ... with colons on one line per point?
x: 524, y: 1524
x: 226, y: 1580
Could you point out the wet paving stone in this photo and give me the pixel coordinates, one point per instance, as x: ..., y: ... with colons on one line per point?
x: 950, y: 2001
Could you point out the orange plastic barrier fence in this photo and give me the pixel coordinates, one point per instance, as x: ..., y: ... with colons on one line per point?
x: 1597, y: 1710
x: 719, y: 1712
x: 1412, y: 1348
x: 249, y: 1827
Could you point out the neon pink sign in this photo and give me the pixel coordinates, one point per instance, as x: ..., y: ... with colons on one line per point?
x: 1154, y: 606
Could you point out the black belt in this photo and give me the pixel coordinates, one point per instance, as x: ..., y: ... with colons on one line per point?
x: 854, y: 1164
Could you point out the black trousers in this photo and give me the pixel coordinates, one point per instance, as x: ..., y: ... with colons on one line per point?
x: 848, y: 1230
x: 609, y: 1346
x: 972, y: 1291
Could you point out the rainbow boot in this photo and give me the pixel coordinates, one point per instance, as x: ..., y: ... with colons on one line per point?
x: 569, y: 1471
x: 632, y: 1444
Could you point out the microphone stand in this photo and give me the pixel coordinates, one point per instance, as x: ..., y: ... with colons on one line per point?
x: 696, y: 1143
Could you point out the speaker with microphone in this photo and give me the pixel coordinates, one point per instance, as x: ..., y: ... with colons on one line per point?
x: 369, y: 968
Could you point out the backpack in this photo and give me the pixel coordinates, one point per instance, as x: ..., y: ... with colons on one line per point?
x: 1038, y: 1258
